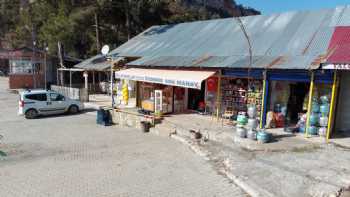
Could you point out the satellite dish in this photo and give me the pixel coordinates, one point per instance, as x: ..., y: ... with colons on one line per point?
x: 105, y: 50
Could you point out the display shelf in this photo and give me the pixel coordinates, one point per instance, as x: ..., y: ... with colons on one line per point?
x: 237, y: 96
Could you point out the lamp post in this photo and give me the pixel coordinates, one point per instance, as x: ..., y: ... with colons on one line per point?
x: 105, y: 51
x: 45, y: 66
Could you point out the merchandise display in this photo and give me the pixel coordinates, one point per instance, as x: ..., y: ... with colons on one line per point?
x: 236, y: 95
x: 255, y: 94
x: 320, y: 107
x: 147, y: 97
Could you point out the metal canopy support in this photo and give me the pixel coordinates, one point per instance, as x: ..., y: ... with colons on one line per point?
x: 332, y: 107
x: 218, y: 97
x: 264, y: 101
x: 309, y: 104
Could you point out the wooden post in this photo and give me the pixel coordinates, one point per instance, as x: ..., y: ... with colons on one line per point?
x: 93, y: 80
x: 309, y: 107
x: 57, y: 78
x: 218, y: 97
x: 62, y: 78
x: 70, y: 78
x: 332, y: 107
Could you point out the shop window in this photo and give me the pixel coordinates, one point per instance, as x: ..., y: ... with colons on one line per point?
x: 147, y: 97
x: 179, y: 99
x: 23, y: 66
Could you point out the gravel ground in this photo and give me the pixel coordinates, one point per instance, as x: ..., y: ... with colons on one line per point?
x: 317, y: 171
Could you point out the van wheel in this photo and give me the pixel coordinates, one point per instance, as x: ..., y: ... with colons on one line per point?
x: 31, y: 114
x: 73, y: 109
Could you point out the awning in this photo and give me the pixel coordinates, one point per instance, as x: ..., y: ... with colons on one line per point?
x: 181, y: 78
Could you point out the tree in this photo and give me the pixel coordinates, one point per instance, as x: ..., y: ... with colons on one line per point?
x: 83, y: 26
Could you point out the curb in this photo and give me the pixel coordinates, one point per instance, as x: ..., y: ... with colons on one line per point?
x: 239, y: 182
x: 191, y: 146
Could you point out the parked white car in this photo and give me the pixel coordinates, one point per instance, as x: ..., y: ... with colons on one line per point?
x: 33, y: 103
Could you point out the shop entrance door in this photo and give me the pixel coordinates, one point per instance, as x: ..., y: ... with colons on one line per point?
x: 296, y: 100
x: 195, y: 97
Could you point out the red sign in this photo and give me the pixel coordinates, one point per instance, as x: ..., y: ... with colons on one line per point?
x: 212, y: 84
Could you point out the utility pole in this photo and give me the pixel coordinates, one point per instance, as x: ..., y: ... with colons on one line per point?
x: 127, y: 17
x: 97, y: 29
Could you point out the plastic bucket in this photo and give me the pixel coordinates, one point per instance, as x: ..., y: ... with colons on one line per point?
x: 263, y: 137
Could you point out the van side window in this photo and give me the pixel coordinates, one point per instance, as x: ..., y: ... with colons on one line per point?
x: 36, y: 97
x: 56, y: 97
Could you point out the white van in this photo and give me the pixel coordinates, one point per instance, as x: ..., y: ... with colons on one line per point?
x: 33, y: 103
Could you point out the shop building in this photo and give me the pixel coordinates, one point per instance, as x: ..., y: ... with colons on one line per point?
x: 273, y: 64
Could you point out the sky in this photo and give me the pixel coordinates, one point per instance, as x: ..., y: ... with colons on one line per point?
x: 277, y: 6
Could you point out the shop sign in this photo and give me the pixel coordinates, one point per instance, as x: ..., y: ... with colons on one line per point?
x: 337, y: 66
x: 172, y: 82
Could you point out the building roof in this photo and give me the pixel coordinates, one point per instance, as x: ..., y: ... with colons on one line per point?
x: 292, y: 40
x: 97, y: 62
x: 340, y: 45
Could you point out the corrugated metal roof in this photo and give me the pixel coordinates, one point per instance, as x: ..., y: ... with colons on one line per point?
x: 339, y: 46
x: 97, y: 62
x: 268, y: 62
x: 297, y: 38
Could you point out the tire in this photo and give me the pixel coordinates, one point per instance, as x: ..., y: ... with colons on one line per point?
x: 31, y: 114
x: 73, y: 109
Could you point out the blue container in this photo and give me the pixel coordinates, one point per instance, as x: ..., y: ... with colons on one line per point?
x: 100, y: 116
x: 313, y: 130
x: 302, y: 129
x: 315, y: 107
x: 104, y: 117
x: 324, y: 99
x: 314, y: 119
x: 263, y: 137
x: 324, y: 109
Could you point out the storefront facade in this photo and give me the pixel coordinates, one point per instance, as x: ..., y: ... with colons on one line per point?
x: 298, y: 99
x: 240, y: 89
x: 161, y: 91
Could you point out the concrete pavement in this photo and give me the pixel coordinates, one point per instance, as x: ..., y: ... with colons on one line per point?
x: 72, y: 156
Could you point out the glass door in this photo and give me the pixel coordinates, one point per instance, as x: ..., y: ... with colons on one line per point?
x: 158, y: 101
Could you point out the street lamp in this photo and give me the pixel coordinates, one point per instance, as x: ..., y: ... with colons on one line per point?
x: 105, y: 51
x: 45, y: 66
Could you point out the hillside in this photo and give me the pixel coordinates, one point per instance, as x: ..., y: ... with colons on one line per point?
x: 83, y: 26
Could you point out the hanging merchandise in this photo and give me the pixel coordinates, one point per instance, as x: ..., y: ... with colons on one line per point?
x: 125, y: 92
x: 255, y: 94
x: 237, y: 96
